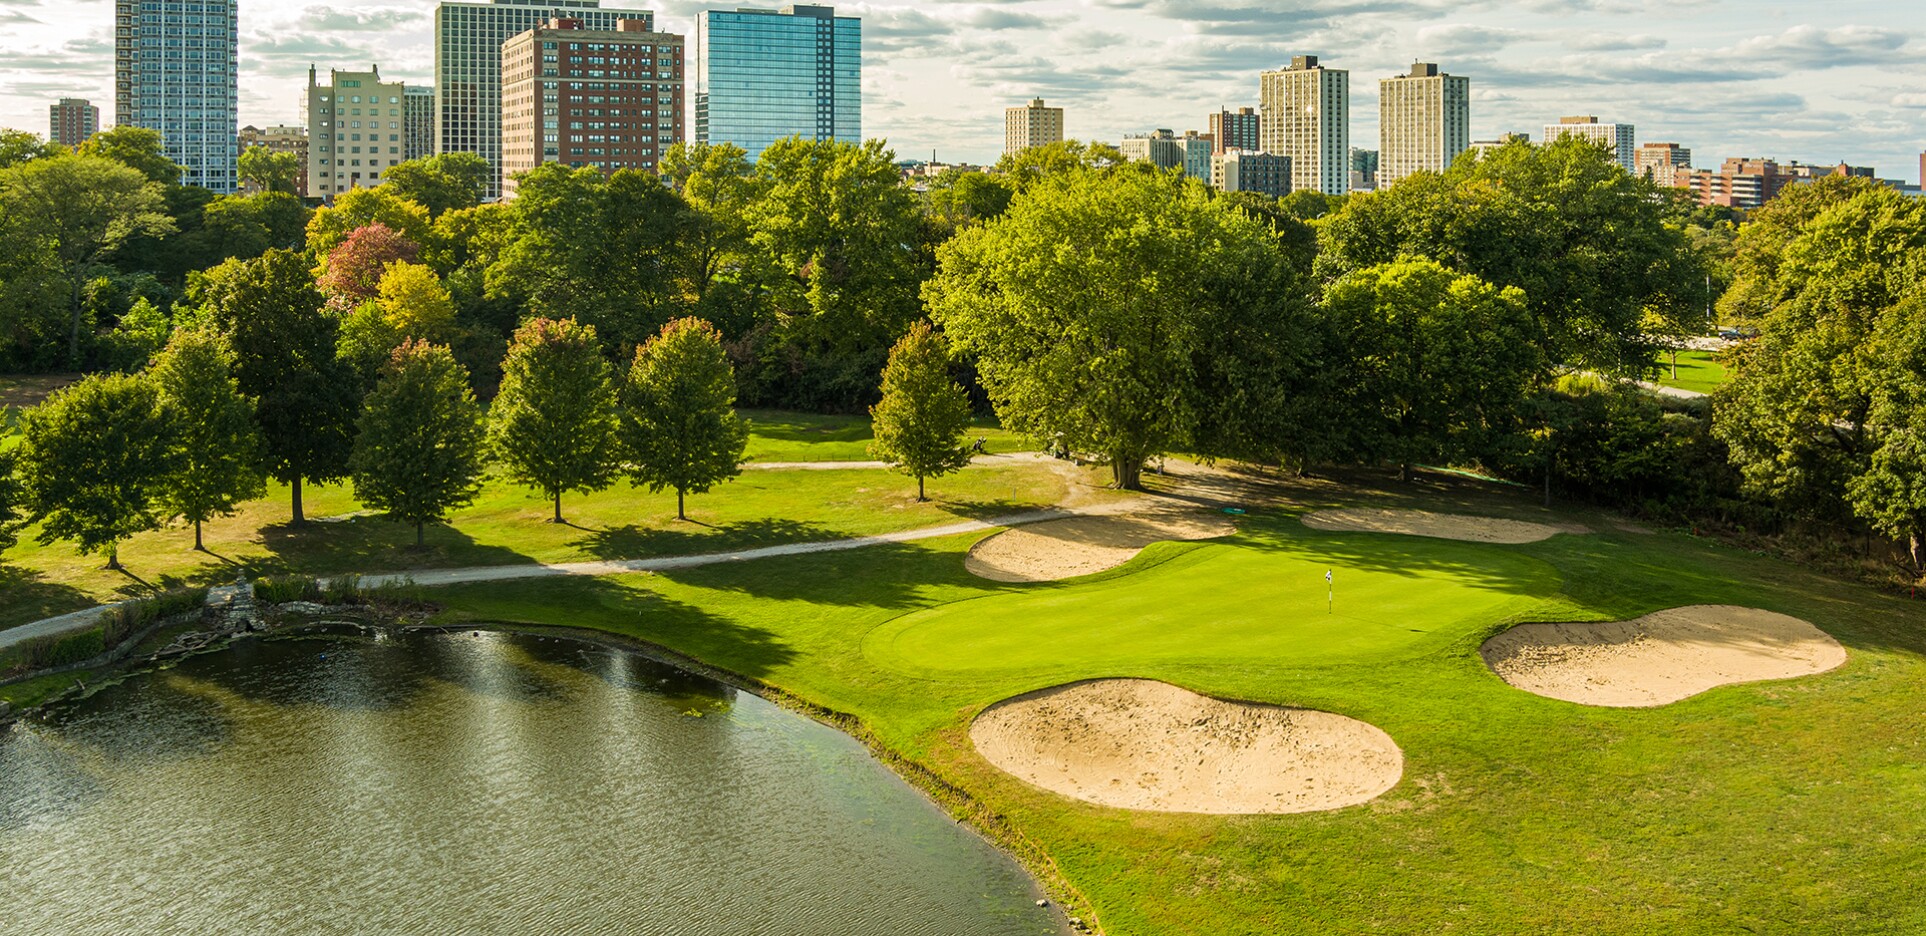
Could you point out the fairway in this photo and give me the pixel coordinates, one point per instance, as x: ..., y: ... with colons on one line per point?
x: 1259, y: 597
x: 1699, y: 371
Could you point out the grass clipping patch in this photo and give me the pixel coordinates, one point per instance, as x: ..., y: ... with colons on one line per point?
x: 1143, y: 744
x: 1439, y: 525
x: 1060, y: 549
x: 1660, y: 658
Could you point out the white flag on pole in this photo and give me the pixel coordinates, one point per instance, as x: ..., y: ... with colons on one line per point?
x: 1327, y: 576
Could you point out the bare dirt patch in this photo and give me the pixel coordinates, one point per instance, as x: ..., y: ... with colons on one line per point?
x: 1143, y: 744
x: 1440, y: 525
x: 24, y: 390
x: 1059, y: 549
x: 1660, y: 658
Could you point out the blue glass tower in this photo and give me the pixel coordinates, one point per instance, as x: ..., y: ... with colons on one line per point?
x: 763, y: 75
x: 175, y: 72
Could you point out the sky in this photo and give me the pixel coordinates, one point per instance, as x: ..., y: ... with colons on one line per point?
x: 1822, y: 83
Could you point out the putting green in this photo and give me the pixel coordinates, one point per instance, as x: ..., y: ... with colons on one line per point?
x: 1258, y: 599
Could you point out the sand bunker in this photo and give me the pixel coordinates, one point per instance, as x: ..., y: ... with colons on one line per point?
x: 1659, y: 658
x: 1443, y: 526
x: 1142, y: 744
x: 1060, y: 549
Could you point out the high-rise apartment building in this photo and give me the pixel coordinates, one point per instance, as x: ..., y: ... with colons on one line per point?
x: 468, y: 66
x: 766, y: 75
x: 1241, y: 130
x: 1659, y: 161
x: 1244, y: 171
x: 1160, y: 148
x: 70, y: 121
x: 1364, y: 170
x: 1198, y: 149
x: 1031, y: 125
x: 611, y: 99
x: 1739, y: 183
x: 1306, y: 115
x: 417, y: 121
x: 1424, y: 122
x: 354, y: 130
x: 281, y: 138
x: 1502, y: 140
x: 175, y: 72
x: 1616, y: 137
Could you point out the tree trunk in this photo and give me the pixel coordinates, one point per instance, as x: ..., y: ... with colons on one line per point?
x: 113, y: 556
x: 919, y: 489
x: 558, y: 507
x: 1404, y: 471
x: 1549, y: 461
x: 73, y: 339
x: 197, y: 538
x: 679, y: 515
x: 1675, y: 363
x: 419, y: 540
x: 1128, y: 473
x: 298, y: 518
x: 1913, y: 544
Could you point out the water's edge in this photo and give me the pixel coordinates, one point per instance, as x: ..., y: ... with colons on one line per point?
x: 1067, y: 902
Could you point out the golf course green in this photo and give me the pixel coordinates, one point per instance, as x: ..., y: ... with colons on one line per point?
x: 1789, y: 806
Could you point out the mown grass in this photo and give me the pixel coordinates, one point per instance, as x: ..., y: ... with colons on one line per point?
x: 507, y: 525
x: 778, y: 436
x: 1699, y: 371
x: 1780, y: 807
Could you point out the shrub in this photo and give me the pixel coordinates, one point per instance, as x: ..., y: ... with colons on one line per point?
x: 281, y: 589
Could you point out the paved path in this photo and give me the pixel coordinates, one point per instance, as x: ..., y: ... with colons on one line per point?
x: 989, y: 459
x: 1674, y: 392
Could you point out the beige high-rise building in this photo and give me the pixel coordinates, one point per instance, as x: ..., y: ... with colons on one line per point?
x: 1424, y: 122
x: 1660, y: 161
x: 354, y: 130
x: 1305, y: 114
x: 1031, y: 125
x: 1617, y: 137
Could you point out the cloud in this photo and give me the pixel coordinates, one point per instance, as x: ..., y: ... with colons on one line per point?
x: 367, y: 19
x: 1467, y: 38
x: 1609, y: 42
x: 1909, y: 99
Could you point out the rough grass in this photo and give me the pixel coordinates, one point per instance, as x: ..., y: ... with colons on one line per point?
x: 1788, y: 807
x: 1699, y: 371
x: 506, y: 525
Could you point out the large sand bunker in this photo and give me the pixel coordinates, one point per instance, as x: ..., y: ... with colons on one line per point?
x: 1440, y: 525
x: 1142, y: 744
x: 1661, y: 657
x: 1060, y: 549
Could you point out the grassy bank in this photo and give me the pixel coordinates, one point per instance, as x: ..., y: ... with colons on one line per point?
x: 1699, y: 371
x: 1774, y: 807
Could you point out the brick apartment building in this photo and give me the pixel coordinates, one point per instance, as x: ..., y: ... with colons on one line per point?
x: 611, y: 99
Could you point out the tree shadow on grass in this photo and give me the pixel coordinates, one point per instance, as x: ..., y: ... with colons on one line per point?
x: 1479, y: 565
x: 372, y: 545
x: 690, y: 538
x: 877, y: 575
x: 27, y: 596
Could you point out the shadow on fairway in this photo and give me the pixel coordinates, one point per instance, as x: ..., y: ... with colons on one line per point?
x: 1480, y: 565
x: 30, y: 596
x: 370, y: 545
x: 883, y: 575
x: 687, y: 538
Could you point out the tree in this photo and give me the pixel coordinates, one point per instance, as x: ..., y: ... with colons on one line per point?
x: 12, y: 500
x: 264, y: 170
x: 94, y: 459
x: 1441, y: 364
x: 553, y: 425
x: 679, y: 424
x: 959, y: 197
x: 19, y: 146
x: 720, y: 184
x: 1594, y: 248
x: 362, y: 207
x: 218, y: 445
x: 920, y: 422
x: 245, y: 226
x: 355, y: 266
x: 442, y: 182
x: 418, y: 449
x: 1129, y: 314
x: 1025, y: 168
x: 82, y: 208
x: 138, y: 148
x: 285, y: 359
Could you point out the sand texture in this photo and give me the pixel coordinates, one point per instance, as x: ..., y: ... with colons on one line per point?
x: 1662, y: 657
x: 1441, y: 525
x: 1142, y: 744
x: 1059, y: 549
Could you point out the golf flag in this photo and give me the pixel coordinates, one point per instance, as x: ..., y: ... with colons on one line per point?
x: 1330, y: 593
x: 1327, y: 576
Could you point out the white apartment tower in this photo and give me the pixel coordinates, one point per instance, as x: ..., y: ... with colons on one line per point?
x: 468, y: 66
x: 355, y: 130
x: 1031, y: 125
x: 1617, y: 137
x: 175, y: 71
x: 1306, y: 115
x: 1424, y: 122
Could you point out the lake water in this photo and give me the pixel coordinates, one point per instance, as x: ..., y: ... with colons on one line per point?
x: 491, y: 783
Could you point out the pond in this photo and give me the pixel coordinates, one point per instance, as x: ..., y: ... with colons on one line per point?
x: 471, y: 783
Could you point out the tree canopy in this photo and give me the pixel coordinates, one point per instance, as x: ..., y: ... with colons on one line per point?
x: 679, y: 424
x: 553, y: 424
x: 265, y: 170
x: 94, y: 459
x: 440, y: 183
x: 920, y: 421
x: 217, y: 459
x: 418, y: 445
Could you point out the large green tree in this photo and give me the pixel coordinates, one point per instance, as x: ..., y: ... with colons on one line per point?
x: 95, y: 459
x: 418, y: 450
x: 1128, y: 314
x: 441, y: 183
x: 553, y: 424
x: 138, y: 148
x: 1025, y: 168
x: 218, y: 460
x: 362, y: 207
x: 920, y: 421
x: 1594, y: 248
x: 1440, y: 363
x: 18, y: 146
x: 284, y: 343
x: 13, y: 499
x: 81, y: 208
x: 679, y: 424
x: 720, y: 272
x: 264, y: 170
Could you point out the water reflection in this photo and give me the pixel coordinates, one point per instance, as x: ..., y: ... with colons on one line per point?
x: 484, y: 783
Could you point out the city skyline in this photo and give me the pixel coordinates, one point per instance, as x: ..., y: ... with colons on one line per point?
x: 1774, y: 82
